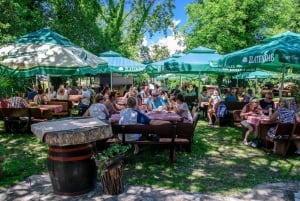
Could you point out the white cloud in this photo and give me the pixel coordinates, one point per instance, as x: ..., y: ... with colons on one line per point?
x: 173, y: 43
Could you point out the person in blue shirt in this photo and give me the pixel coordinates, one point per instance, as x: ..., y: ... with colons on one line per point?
x: 231, y: 96
x: 156, y: 102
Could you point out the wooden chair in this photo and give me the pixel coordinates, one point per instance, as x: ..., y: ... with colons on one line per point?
x: 294, y: 137
x: 185, y: 133
x: 282, y: 134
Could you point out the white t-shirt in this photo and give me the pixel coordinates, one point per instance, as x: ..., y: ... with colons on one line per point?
x: 186, y: 112
x: 128, y: 116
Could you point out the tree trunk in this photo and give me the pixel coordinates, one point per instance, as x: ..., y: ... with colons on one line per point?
x: 112, y: 180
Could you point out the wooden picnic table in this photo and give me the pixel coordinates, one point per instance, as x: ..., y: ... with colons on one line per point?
x: 53, y: 108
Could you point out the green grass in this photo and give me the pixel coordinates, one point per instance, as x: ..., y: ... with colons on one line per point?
x: 218, y: 164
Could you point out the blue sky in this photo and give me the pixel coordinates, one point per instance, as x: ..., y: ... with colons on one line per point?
x: 180, y: 10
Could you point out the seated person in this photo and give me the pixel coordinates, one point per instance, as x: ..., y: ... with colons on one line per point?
x: 231, y: 96
x: 111, y: 103
x: 84, y: 101
x: 129, y: 116
x: 267, y: 103
x: 156, y: 102
x: 213, y: 103
x: 252, y: 108
x: 32, y: 93
x: 182, y: 108
x: 97, y: 109
x: 17, y: 102
x: 284, y: 115
x: 203, y: 99
x: 40, y: 98
x: 247, y: 97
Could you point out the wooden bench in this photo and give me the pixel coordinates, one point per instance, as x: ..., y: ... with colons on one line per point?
x: 232, y: 116
x: 171, y: 135
x: 18, y: 120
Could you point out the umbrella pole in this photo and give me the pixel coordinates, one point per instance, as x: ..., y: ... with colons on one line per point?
x: 199, y: 83
x: 281, y: 82
x: 111, y: 77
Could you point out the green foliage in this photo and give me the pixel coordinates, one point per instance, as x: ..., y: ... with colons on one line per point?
x: 160, y: 53
x: 111, y: 151
x: 23, y: 156
x: 18, y: 18
x: 230, y: 25
x: 114, y: 150
x: 10, y: 84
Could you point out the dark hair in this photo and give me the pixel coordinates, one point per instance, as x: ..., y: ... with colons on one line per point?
x: 112, y: 94
x: 131, y: 102
x: 40, y: 91
x: 179, y: 97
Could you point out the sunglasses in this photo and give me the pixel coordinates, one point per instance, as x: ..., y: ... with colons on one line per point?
x: 270, y: 98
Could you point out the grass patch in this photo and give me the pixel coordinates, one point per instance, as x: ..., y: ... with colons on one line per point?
x: 218, y: 164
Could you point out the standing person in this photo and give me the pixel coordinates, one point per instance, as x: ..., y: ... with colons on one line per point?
x: 182, y: 108
x: 266, y: 103
x: 85, y: 100
x: 251, y: 108
x: 98, y: 109
x: 213, y: 103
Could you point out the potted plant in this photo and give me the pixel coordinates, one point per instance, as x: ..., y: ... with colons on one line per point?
x: 109, y: 167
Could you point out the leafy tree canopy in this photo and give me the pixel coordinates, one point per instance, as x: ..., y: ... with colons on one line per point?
x: 229, y: 25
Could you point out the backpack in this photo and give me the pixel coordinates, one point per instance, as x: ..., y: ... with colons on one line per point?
x: 221, y: 111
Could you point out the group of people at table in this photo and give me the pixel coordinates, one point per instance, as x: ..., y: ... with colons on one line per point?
x: 255, y: 110
x: 158, y: 100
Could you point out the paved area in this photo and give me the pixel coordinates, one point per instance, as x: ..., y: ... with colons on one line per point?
x: 38, y: 187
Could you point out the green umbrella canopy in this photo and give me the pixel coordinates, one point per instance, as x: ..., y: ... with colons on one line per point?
x: 119, y: 64
x: 196, y: 61
x: 273, y: 54
x: 255, y: 75
x: 47, y: 52
x: 159, y: 65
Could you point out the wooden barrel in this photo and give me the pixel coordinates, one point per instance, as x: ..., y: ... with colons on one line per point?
x: 71, y: 169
